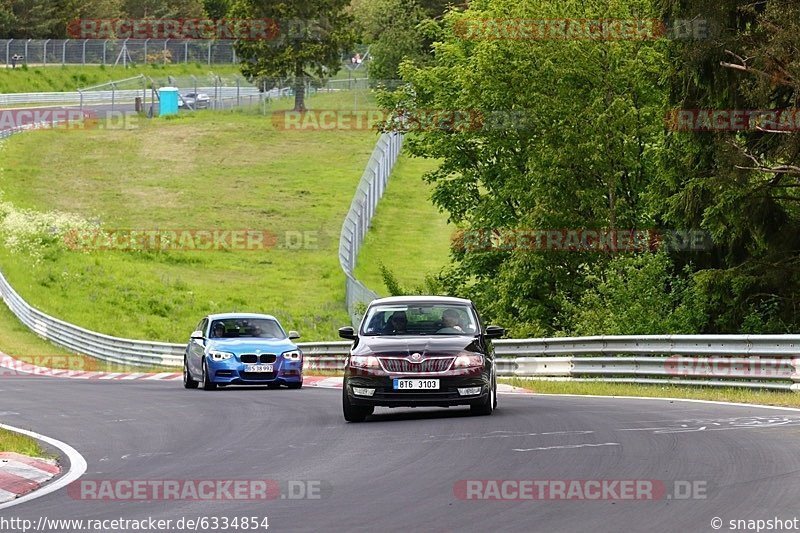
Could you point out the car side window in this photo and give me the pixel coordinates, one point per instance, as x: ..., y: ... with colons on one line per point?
x: 202, y: 326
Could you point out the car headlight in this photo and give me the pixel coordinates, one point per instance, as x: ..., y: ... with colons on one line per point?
x: 219, y: 356
x: 364, y: 361
x: 293, y: 355
x: 468, y: 360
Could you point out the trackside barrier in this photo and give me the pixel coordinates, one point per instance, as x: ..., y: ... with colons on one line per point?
x: 359, y: 217
x: 755, y: 361
x: 84, y: 97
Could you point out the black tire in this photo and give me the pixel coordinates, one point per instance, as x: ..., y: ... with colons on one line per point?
x: 354, y: 413
x: 207, y: 383
x: 298, y: 385
x: 486, y: 406
x: 188, y: 382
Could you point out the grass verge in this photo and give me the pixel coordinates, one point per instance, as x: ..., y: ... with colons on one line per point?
x: 408, y: 235
x: 11, y: 441
x: 728, y: 394
x: 198, y: 171
x: 70, y: 78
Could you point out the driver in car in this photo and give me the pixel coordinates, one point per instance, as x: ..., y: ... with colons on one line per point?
x: 398, y: 323
x: 218, y: 331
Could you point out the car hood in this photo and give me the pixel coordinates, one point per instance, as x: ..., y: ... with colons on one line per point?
x: 424, y: 345
x: 240, y: 346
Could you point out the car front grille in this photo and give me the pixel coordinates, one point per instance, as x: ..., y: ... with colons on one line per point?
x: 404, y: 366
x: 251, y: 358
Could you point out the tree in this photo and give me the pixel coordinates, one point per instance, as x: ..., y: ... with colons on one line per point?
x: 742, y: 186
x: 217, y: 9
x: 310, y: 38
x: 167, y: 9
x: 28, y: 19
x: 394, y: 29
x: 569, y: 138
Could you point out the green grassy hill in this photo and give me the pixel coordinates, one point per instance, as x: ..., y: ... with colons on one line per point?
x: 206, y: 170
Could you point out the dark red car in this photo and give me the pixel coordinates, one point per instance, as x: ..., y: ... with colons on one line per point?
x: 420, y: 351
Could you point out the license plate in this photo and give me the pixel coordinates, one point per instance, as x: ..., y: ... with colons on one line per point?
x: 258, y: 368
x: 416, y: 384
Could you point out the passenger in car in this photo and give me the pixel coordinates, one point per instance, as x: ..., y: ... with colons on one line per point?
x: 450, y: 320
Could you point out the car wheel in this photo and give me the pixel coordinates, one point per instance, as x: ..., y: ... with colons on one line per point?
x: 297, y: 385
x: 354, y: 413
x: 207, y: 383
x: 485, y: 406
x: 188, y: 382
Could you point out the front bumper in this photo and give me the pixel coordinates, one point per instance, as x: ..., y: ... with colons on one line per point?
x: 232, y: 372
x: 447, y: 395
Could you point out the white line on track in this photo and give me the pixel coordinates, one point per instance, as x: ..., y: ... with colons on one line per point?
x: 567, y: 447
x: 77, y: 467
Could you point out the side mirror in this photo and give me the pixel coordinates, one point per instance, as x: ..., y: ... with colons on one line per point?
x: 197, y: 336
x: 348, y: 332
x: 494, y: 332
x: 293, y: 335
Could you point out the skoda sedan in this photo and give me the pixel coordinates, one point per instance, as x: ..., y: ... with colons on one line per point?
x: 242, y: 349
x: 418, y: 351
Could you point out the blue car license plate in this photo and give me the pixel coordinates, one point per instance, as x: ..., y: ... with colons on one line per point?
x: 258, y: 368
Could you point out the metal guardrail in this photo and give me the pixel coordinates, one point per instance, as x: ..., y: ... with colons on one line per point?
x: 356, y: 224
x: 751, y: 361
x: 93, y: 97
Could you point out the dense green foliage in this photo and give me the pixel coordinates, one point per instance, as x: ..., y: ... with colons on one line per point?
x: 48, y: 19
x: 582, y: 143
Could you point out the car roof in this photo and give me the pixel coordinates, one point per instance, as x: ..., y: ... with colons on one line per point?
x: 421, y: 299
x: 223, y: 316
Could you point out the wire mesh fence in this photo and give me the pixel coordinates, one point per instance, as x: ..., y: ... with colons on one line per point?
x: 115, y: 52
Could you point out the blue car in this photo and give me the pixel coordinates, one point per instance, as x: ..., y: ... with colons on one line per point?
x: 242, y: 349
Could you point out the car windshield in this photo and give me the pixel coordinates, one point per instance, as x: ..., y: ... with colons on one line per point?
x: 229, y: 328
x: 419, y: 319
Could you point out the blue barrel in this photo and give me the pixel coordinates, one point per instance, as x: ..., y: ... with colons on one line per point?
x: 168, y: 97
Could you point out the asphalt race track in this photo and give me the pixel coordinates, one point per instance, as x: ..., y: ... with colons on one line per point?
x: 397, y: 471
